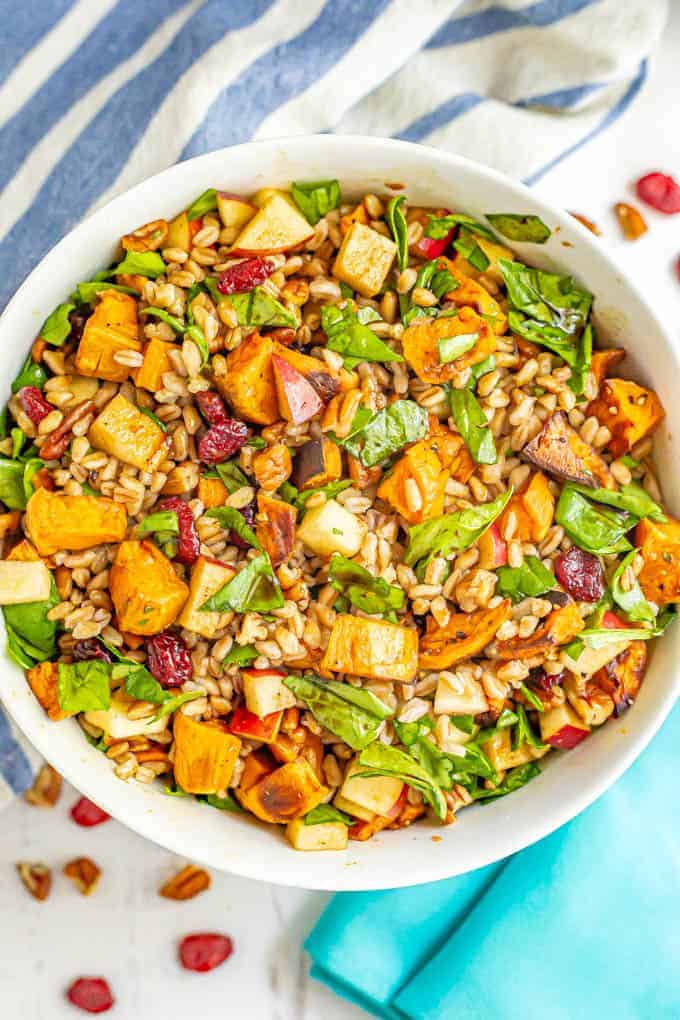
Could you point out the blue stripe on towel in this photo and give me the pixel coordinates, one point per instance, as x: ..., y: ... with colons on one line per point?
x: 23, y: 26
x: 15, y: 767
x: 499, y: 19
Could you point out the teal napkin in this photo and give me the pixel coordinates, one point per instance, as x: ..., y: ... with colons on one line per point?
x: 584, y: 924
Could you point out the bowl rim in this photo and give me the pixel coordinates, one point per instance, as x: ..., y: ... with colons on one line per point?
x: 435, y: 867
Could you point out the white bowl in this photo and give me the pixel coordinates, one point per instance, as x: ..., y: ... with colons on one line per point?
x: 569, y: 782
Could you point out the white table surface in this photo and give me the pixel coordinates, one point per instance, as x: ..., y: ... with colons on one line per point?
x: 125, y: 931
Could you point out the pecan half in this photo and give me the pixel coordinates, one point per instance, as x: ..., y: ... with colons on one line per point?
x: 46, y: 789
x: 57, y: 442
x: 149, y: 237
x: 186, y: 884
x: 631, y: 221
x: 36, y: 877
x: 84, y: 872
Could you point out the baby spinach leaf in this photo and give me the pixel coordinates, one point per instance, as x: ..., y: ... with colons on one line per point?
x: 439, y: 226
x: 257, y: 307
x: 18, y: 436
x: 159, y: 522
x: 581, y: 367
x: 477, y: 371
x: 453, y: 532
x: 397, y: 425
x: 351, y: 713
x: 371, y: 594
x: 520, y: 228
x: 290, y: 494
x: 173, y: 702
x: 473, y: 426
x: 446, y: 769
x: 532, y: 698
x: 254, y: 589
x: 256, y: 443
x: 203, y: 204
x: 189, y: 329
x: 596, y: 529
x: 57, y: 326
x: 140, y: 263
x: 470, y: 250
x: 229, y: 474
x: 631, y: 497
x: 352, y: 441
x: 396, y: 221
x: 28, y: 620
x: 233, y: 520
x: 315, y: 198
x: 514, y: 779
x: 31, y: 468
x: 383, y: 760
x: 436, y: 277
x: 83, y: 686
x: 452, y: 347
x: 631, y: 600
x: 12, y: 484
x: 139, y: 682
x: 530, y: 580
x: 154, y: 417
x: 351, y: 338
x: 324, y: 813
x: 86, y: 292
x: 22, y: 651
x: 227, y: 803
x: 242, y: 655
x: 524, y: 733
x: 31, y: 374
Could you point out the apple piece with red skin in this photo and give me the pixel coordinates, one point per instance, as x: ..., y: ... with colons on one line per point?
x: 493, y: 550
x: 433, y: 247
x: 610, y: 621
x: 265, y: 693
x: 247, y: 724
x: 276, y: 227
x: 363, y: 830
x: 298, y: 400
x: 562, y: 728
x: 235, y: 211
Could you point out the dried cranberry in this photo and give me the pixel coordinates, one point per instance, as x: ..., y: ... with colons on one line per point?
x: 581, y: 574
x: 222, y: 441
x: 34, y: 404
x: 168, y: 659
x: 188, y: 542
x: 90, y: 648
x: 542, y: 681
x: 244, y: 276
x: 248, y: 513
x: 205, y: 951
x: 660, y: 191
x: 78, y: 318
x: 92, y: 995
x: 211, y: 406
x: 87, y: 814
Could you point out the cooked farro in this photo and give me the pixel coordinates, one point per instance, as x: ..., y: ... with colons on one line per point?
x: 339, y: 505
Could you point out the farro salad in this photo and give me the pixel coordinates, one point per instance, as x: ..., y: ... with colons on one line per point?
x: 330, y: 512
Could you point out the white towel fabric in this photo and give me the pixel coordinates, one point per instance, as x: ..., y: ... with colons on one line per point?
x: 95, y: 95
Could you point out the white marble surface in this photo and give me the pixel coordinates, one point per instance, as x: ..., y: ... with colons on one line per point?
x: 126, y: 931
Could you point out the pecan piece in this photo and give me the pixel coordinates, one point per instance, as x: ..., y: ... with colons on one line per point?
x: 186, y: 884
x: 36, y: 877
x: 46, y: 789
x: 631, y: 221
x: 84, y: 872
x: 149, y: 237
x: 57, y: 442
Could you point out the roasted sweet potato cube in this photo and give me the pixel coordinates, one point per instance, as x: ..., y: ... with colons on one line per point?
x: 146, y: 592
x: 558, y: 628
x: 258, y: 764
x: 357, y: 215
x: 365, y: 258
x: 9, y: 522
x: 493, y: 251
x: 629, y: 411
x: 112, y: 327
x: 57, y: 521
x: 472, y: 294
x: 149, y: 375
x: 452, y: 451
x: 212, y: 492
x: 207, y: 577
x: 602, y: 362
x: 289, y: 792
x: 317, y: 462
x: 43, y: 681
x: 275, y: 527
x: 464, y: 636
x: 416, y: 486
x: 272, y: 466
x: 124, y: 432
x: 205, y: 754
x: 533, y: 508
x: 24, y: 552
x: 420, y: 343
x: 621, y: 678
x: 248, y: 383
x: 660, y: 547
x: 372, y: 648
x: 559, y: 450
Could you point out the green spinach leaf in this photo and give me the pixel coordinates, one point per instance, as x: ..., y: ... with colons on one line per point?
x: 227, y: 803
x: 57, y: 326
x: 452, y: 347
x: 371, y: 594
x: 233, y: 520
x: 324, y: 813
x: 86, y: 292
x: 596, y: 529
x: 83, y: 686
x: 631, y: 497
x: 530, y: 580
x: 631, y: 600
x: 163, y: 521
x: 29, y: 622
x: 514, y: 779
x: 524, y: 733
x: 472, y: 251
x: 396, y: 426
x: 439, y: 227
x: 242, y: 655
x: 515, y: 227
x: 316, y: 198
x: 257, y: 307
x: 351, y: 713
x: 382, y: 760
x: 352, y: 338
x: 12, y: 484
x: 205, y: 203
x: 254, y: 589
x: 140, y: 263
x: 532, y: 698
x: 396, y: 221
x: 453, y: 532
x: 473, y: 425
x: 31, y: 374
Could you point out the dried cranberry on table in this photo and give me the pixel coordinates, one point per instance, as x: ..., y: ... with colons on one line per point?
x: 92, y: 995
x: 188, y: 542
x: 34, y: 404
x: 168, y: 659
x: 87, y: 814
x: 661, y: 191
x: 205, y: 951
x: 248, y: 513
x: 211, y: 406
x: 222, y: 441
x: 581, y: 575
x: 244, y: 276
x: 90, y: 648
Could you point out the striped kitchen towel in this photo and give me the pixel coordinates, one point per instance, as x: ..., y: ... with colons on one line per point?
x: 97, y: 94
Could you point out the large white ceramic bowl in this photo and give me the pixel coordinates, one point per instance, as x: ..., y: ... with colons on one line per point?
x: 569, y: 782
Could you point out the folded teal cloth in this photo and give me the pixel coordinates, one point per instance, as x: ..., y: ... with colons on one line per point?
x: 585, y: 924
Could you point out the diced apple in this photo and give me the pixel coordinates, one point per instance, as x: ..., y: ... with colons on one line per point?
x: 500, y: 752
x: 122, y: 431
x: 350, y: 808
x: 81, y: 387
x: 277, y: 227
x: 23, y: 582
x: 364, y: 260
x: 252, y: 727
x: 330, y: 528
x: 265, y: 691
x: 591, y: 703
x: 207, y: 577
x: 116, y: 725
x: 562, y: 728
x: 262, y: 196
x: 324, y: 836
x: 179, y: 233
x: 235, y: 211
x: 493, y: 550
x: 298, y: 400
x: 592, y: 659
x: 376, y: 794
x: 464, y: 696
